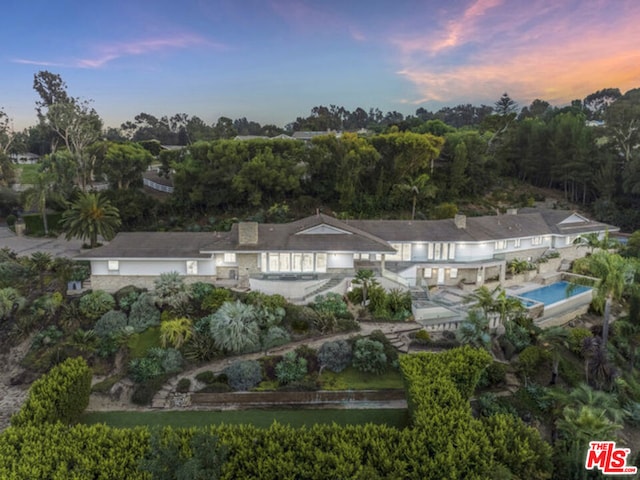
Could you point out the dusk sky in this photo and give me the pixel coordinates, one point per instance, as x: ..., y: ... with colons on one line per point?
x: 273, y: 60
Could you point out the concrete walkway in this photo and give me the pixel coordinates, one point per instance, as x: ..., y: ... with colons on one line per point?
x: 25, y: 246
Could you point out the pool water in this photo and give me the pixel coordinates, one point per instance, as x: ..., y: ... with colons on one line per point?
x: 556, y: 292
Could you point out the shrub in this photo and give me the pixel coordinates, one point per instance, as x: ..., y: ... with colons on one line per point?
x: 495, y: 374
x: 269, y: 366
x: 145, y: 368
x: 422, y: 336
x: 530, y: 359
x: 331, y: 303
x: 171, y: 291
x: 243, y: 374
x: 206, y: 377
x: 144, y: 313
x: 216, y: 387
x: 199, y: 291
x: 576, y: 337
x: 369, y: 356
x: 310, y: 355
x: 95, y: 304
x: 184, y: 384
x: 126, y: 296
x: 110, y: 323
x: 301, y: 319
x: 201, y: 348
x: 335, y: 356
x: 389, y: 350
x: 143, y: 394
x: 274, y: 337
x: 47, y: 337
x: 62, y: 394
x: 291, y: 368
x: 347, y: 325
x: 325, y: 322
x: 214, y: 299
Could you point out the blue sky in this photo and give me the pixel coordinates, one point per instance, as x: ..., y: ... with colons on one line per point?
x: 273, y: 60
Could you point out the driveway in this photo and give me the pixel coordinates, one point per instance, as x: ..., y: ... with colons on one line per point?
x: 25, y: 246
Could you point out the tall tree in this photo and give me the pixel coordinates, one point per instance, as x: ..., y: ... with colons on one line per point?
x: 38, y: 194
x: 123, y: 163
x: 90, y: 215
x: 505, y: 105
x: 51, y: 89
x: 417, y: 187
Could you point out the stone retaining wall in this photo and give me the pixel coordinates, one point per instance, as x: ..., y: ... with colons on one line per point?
x: 279, y: 399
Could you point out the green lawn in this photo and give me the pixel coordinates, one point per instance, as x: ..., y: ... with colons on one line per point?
x: 352, y: 379
x: 261, y: 418
x: 27, y: 173
x: 139, y: 343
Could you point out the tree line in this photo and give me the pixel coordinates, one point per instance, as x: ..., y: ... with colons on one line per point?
x: 425, y: 165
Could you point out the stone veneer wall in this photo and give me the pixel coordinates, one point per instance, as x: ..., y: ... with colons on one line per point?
x: 113, y: 283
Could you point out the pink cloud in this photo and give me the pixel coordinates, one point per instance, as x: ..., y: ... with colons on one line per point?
x: 536, y: 51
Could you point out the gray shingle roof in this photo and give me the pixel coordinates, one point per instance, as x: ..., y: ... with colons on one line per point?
x: 152, y: 245
x: 288, y: 237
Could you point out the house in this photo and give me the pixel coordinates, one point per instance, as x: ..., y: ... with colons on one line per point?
x: 24, y: 158
x: 321, y: 252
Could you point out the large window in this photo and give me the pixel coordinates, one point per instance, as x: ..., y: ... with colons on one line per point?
x: 501, y: 244
x: 229, y: 258
x: 294, y: 262
x: 516, y: 243
x: 113, y: 265
x: 536, y: 241
x: 441, y: 251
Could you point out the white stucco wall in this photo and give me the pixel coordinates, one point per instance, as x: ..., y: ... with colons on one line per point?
x: 151, y: 267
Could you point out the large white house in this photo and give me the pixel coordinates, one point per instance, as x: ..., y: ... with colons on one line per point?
x: 299, y: 258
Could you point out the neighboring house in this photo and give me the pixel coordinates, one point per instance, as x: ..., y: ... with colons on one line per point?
x: 152, y: 179
x: 24, y: 158
x: 299, y: 257
x: 308, y: 136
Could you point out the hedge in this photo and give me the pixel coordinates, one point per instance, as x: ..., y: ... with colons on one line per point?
x: 62, y: 394
x: 445, y: 442
x: 34, y: 225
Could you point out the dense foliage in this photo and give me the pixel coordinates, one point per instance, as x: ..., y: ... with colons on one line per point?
x: 60, y: 395
x: 444, y: 438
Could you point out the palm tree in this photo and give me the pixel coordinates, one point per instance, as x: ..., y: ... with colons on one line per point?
x: 615, y: 274
x: 418, y: 187
x: 234, y: 327
x: 593, y: 241
x: 628, y: 329
x: 367, y: 280
x: 40, y: 263
x: 38, y: 193
x: 474, y: 330
x: 89, y: 216
x: 554, y: 339
x: 484, y: 299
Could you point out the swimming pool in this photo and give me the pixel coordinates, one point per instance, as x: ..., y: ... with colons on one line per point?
x: 554, y: 293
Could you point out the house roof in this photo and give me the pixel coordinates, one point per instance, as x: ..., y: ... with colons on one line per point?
x: 152, y: 245
x: 527, y: 223
x: 305, y: 236
x: 323, y: 233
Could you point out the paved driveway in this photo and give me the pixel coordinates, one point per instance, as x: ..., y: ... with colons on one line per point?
x: 24, y: 246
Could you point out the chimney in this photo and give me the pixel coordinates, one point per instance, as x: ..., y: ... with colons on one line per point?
x: 248, y: 233
x: 512, y: 211
x: 460, y: 221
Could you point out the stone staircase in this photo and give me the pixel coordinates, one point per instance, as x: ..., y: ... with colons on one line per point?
x: 333, y: 282
x: 400, y: 338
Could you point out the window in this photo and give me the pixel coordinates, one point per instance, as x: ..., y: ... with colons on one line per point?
x: 501, y: 244
x: 406, y: 252
x: 229, y: 258
x: 192, y: 267
x: 321, y: 262
x: 274, y: 262
x: 441, y: 251
x: 113, y: 265
x: 285, y: 262
x: 307, y: 262
x: 516, y: 243
x: 453, y: 273
x: 427, y: 273
x: 536, y: 241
